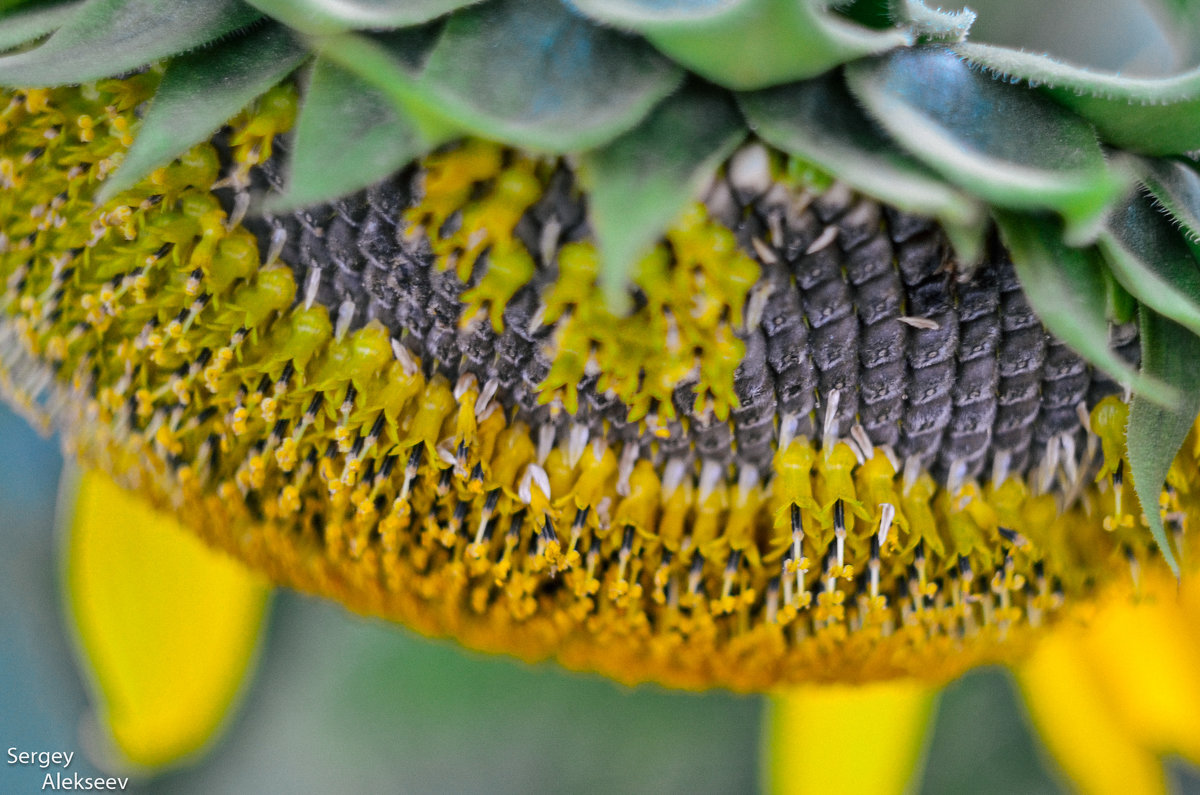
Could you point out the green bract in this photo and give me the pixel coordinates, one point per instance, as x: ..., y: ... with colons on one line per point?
x: 639, y: 183
x: 323, y: 165
x: 791, y: 40
x: 888, y: 96
x: 202, y: 90
x: 1152, y: 115
x: 1169, y: 353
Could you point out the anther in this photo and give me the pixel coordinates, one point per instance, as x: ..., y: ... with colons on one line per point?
x: 445, y: 481
x: 965, y: 575
x: 278, y: 432
x: 459, y: 516
x: 348, y: 402
x: 873, y: 567
x: 919, y: 562
x: 839, y: 532
x: 281, y: 383
x: 731, y: 567
x: 484, y: 533
x: 410, y: 471
x: 1012, y: 537
x: 621, y: 586
x: 581, y: 516
x: 548, y: 544
x: 694, y: 574
x: 314, y: 406
x: 376, y: 430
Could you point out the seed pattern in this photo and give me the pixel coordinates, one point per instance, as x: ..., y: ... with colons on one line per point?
x: 958, y: 375
x: 205, y: 366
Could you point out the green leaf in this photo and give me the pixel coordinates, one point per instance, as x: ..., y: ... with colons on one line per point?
x: 25, y: 25
x: 391, y: 63
x: 818, y: 121
x: 999, y: 141
x: 322, y: 17
x: 532, y: 74
x: 1152, y: 261
x: 108, y: 37
x: 747, y: 44
x: 1176, y: 187
x: 200, y: 92
x: 1066, y: 287
x: 1151, y: 115
x: 1169, y: 353
x: 348, y: 136
x: 640, y: 182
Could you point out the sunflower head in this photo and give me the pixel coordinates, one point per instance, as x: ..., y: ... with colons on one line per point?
x: 570, y: 330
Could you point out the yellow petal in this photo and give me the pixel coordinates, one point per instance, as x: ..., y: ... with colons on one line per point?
x: 1147, y: 655
x: 166, y: 627
x: 848, y: 739
x: 1092, y: 746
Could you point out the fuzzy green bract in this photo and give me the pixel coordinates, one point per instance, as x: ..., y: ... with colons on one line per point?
x: 199, y: 92
x: 746, y: 44
x: 390, y: 63
x: 1155, y: 116
x: 27, y: 25
x: 107, y: 37
x: 1149, y: 258
x: 1175, y: 186
x: 491, y: 72
x: 328, y: 161
x: 1156, y: 432
x: 640, y: 182
x: 321, y: 17
x: 998, y: 141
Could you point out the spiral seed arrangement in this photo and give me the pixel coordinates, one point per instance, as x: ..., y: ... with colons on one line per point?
x: 814, y: 447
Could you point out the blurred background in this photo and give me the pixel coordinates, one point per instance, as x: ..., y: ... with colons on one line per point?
x: 344, y: 704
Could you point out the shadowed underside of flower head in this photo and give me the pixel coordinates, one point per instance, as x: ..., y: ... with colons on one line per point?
x: 266, y: 381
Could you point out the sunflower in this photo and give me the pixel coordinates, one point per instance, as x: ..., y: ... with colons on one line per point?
x: 569, y: 330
